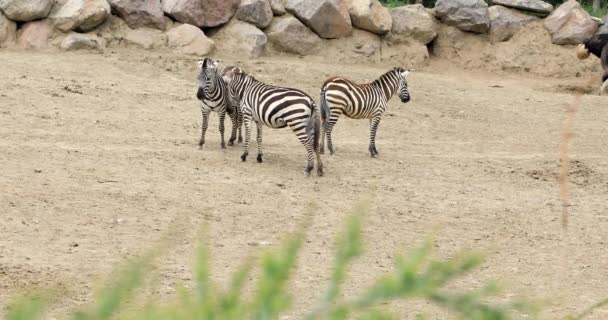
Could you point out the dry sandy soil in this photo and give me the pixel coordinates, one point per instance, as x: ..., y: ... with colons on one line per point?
x: 99, y: 160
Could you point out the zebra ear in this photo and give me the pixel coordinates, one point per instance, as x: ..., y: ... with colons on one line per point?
x: 405, y: 73
x: 200, y: 63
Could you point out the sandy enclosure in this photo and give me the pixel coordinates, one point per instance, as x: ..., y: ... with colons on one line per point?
x: 99, y: 159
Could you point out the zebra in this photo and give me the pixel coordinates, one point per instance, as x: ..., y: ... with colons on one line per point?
x: 360, y: 101
x: 276, y: 107
x: 213, y: 93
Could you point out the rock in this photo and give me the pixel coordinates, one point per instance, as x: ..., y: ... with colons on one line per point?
x: 256, y: 12
x: 328, y: 18
x: 289, y: 34
x: 370, y: 15
x: 8, y: 30
x: 189, y: 39
x: 277, y: 6
x: 570, y: 24
x: 241, y: 37
x: 201, y: 13
x: 140, y: 13
x: 79, y: 41
x: 504, y: 22
x: 534, y: 6
x: 145, y: 38
x: 26, y: 10
x: 113, y: 31
x: 466, y: 15
x: 603, y: 29
x: 81, y: 15
x: 35, y: 35
x: 412, y: 22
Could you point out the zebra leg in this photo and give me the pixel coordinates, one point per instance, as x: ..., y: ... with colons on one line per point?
x: 233, y: 119
x: 240, y: 125
x: 328, y: 127
x: 259, y: 140
x: 222, y: 117
x: 374, y: 122
x: 308, y: 142
x: 247, y: 123
x: 322, y: 141
x: 204, y: 127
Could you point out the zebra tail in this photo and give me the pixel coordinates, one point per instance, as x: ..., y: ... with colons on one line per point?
x: 324, y: 106
x: 314, y: 126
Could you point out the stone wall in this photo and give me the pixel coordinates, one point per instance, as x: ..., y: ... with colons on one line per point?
x: 336, y: 30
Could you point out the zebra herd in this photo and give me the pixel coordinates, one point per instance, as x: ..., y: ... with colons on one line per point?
x: 245, y: 99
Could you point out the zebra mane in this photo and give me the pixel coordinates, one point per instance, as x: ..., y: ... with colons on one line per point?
x: 393, y: 72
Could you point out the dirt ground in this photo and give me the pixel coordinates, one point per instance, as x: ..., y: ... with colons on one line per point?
x: 99, y: 160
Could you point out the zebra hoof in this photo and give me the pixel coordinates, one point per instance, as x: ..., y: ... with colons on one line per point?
x: 223, y: 146
x: 244, y: 157
x: 320, y: 172
x: 231, y: 143
x: 259, y: 158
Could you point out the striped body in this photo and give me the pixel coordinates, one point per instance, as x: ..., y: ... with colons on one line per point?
x: 213, y: 93
x: 276, y: 107
x: 360, y: 101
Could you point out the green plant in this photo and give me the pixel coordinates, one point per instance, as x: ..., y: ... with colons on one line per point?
x: 416, y: 276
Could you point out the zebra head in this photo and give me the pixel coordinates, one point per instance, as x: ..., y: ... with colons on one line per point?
x: 404, y: 93
x: 235, y: 78
x: 207, y: 77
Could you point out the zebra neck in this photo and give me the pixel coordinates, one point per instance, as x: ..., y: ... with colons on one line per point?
x: 388, y: 83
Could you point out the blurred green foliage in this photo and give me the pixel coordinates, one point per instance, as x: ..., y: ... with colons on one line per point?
x: 416, y: 276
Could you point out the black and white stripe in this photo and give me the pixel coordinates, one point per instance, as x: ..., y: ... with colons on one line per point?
x: 276, y: 107
x: 360, y: 101
x: 213, y: 93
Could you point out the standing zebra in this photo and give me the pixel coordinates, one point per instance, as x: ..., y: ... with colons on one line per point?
x: 360, y: 101
x: 213, y: 93
x: 276, y: 107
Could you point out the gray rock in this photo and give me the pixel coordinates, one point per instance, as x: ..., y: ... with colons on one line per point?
x: 370, y: 15
x: 200, y: 13
x: 328, y: 18
x: 35, y: 35
x: 570, y: 24
x: 242, y: 37
x: 278, y: 7
x: 189, y: 39
x: 412, y: 22
x: 145, y: 38
x: 534, y: 6
x: 8, y: 30
x: 79, y: 41
x: 466, y: 15
x: 289, y: 34
x: 82, y: 15
x: 140, y: 13
x: 256, y: 12
x: 603, y: 29
x: 26, y: 10
x: 504, y: 22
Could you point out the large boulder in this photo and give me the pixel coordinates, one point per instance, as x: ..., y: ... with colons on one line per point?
x: 603, y: 29
x: 412, y: 22
x: 504, y: 22
x: 35, y: 35
x: 26, y: 10
x: 535, y: 6
x: 189, y: 39
x: 256, y: 12
x: 201, y: 13
x: 79, y: 41
x: 113, y: 31
x: 289, y: 34
x: 145, y: 38
x: 370, y: 15
x: 140, y: 13
x: 241, y: 37
x: 81, y: 15
x: 570, y: 24
x: 466, y: 15
x: 8, y: 30
x: 328, y: 18
x: 278, y: 7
